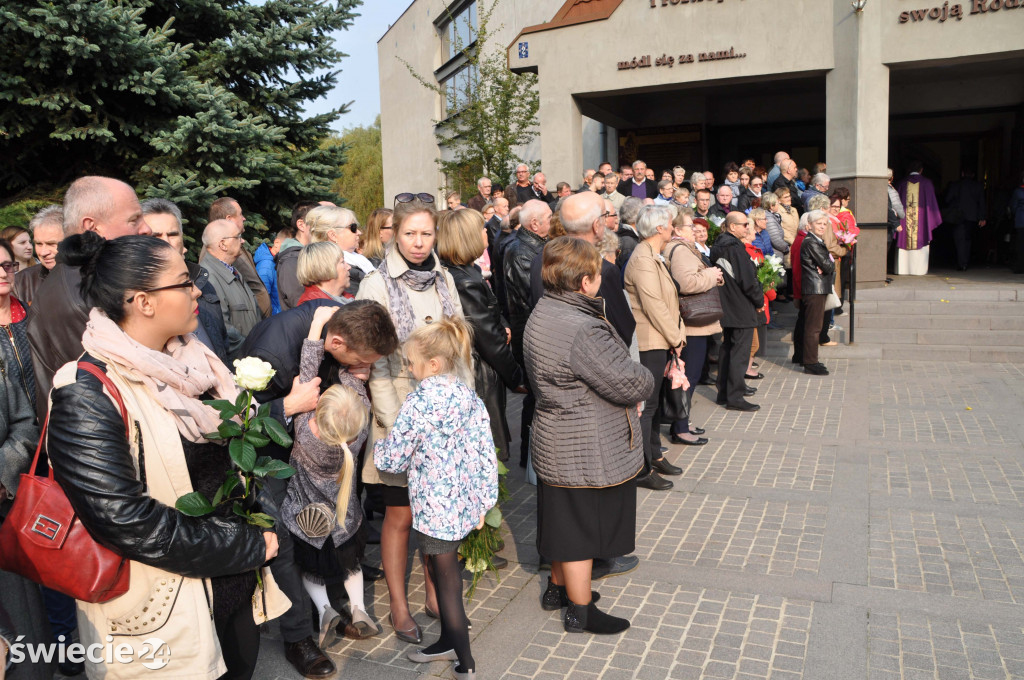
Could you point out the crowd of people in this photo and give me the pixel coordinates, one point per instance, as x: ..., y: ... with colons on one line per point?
x: 395, y: 345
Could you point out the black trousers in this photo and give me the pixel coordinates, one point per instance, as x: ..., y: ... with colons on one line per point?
x: 962, y: 240
x: 295, y: 623
x: 650, y: 421
x: 239, y: 643
x: 733, y: 358
x: 814, y: 317
x: 798, y: 332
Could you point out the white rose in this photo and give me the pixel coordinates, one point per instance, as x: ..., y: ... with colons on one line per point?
x: 253, y: 374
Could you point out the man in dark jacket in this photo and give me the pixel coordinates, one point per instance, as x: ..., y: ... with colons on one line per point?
x: 638, y: 186
x: 723, y: 202
x: 819, y: 187
x: 483, y: 187
x: 164, y: 219
x: 742, y: 299
x: 965, y: 200
x: 227, y: 208
x: 787, y: 180
x: 59, y: 314
x: 47, y: 229
x: 289, y: 290
x: 521, y: 191
x: 355, y: 336
x: 628, y: 236
x: 534, y: 225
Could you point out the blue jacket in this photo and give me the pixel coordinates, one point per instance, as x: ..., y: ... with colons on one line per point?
x: 267, y: 270
x: 763, y: 241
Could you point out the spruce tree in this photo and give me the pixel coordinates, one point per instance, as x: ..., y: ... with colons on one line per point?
x: 185, y: 99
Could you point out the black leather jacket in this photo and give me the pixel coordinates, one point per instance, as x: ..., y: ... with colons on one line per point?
x: 516, y: 266
x: 92, y: 462
x: 814, y: 256
x: 741, y: 294
x: 211, y: 332
x: 481, y: 310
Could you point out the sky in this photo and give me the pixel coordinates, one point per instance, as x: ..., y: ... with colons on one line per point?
x: 358, y: 81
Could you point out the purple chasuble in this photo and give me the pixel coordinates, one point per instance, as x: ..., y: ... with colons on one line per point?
x: 918, y: 195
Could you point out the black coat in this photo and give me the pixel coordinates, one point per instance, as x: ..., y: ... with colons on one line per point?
x: 746, y: 199
x: 501, y: 243
x: 628, y: 241
x: 626, y: 188
x: 494, y: 367
x: 516, y: 265
x: 741, y: 295
x: 278, y: 341
x: 716, y: 210
x: 93, y: 463
x: 814, y: 256
x: 211, y: 332
x: 616, y: 309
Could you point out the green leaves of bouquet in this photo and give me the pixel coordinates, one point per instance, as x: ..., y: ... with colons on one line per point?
x: 245, y: 428
x: 479, y: 547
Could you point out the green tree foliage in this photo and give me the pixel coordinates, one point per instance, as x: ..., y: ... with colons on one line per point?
x: 491, y: 113
x: 184, y: 99
x: 361, y: 184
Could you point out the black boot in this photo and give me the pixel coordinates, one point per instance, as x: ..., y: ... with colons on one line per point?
x: 579, y: 618
x: 555, y: 597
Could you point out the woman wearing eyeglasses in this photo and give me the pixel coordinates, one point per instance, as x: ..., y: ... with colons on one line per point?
x: 15, y: 350
x: 416, y: 290
x: 340, y: 226
x: 750, y: 195
x: 193, y: 580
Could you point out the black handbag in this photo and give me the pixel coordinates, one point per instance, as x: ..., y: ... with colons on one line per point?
x: 699, y: 309
x: 675, y: 404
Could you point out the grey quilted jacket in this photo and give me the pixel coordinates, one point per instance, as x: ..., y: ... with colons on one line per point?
x: 586, y: 432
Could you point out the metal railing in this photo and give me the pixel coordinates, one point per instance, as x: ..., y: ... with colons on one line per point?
x: 853, y: 294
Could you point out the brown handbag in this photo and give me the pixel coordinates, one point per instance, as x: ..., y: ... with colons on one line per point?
x: 699, y: 309
x: 43, y: 540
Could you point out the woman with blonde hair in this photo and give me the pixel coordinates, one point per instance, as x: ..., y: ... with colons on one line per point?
x: 340, y: 226
x: 416, y: 290
x: 379, y: 232
x: 323, y: 272
x: 321, y: 508
x: 460, y: 240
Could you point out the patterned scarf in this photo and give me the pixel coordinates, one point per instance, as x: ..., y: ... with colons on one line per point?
x: 398, y: 296
x: 176, y: 378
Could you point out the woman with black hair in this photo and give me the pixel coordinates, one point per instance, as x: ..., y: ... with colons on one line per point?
x: 193, y: 580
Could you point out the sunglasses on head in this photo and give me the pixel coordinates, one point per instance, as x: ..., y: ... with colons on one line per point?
x: 409, y: 198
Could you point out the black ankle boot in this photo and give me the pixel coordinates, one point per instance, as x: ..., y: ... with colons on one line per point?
x: 579, y: 618
x: 555, y: 597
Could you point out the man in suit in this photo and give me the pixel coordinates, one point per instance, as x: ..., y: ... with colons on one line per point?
x: 639, y: 186
x: 965, y: 200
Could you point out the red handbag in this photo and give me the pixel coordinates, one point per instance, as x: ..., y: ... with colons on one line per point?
x: 43, y: 540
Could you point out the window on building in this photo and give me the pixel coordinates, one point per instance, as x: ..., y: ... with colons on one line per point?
x: 459, y: 89
x: 459, y: 32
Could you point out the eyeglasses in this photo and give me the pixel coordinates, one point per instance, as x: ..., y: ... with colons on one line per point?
x: 190, y: 284
x: 409, y: 198
x: 756, y: 184
x: 354, y: 227
x: 10, y: 267
x: 228, y: 238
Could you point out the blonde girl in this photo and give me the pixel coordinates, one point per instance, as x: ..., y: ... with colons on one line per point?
x: 321, y: 508
x: 442, y: 438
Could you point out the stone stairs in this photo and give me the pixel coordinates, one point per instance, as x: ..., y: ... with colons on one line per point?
x: 936, y: 322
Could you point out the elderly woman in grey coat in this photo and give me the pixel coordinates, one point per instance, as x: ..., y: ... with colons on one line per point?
x: 586, y: 441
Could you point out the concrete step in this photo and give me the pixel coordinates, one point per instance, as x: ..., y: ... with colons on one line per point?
x: 951, y: 308
x: 951, y: 322
x: 953, y: 293
x: 912, y: 336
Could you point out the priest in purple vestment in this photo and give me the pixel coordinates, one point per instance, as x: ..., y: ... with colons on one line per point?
x: 915, y: 232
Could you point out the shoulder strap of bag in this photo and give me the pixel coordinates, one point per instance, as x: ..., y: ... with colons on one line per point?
x: 100, y: 375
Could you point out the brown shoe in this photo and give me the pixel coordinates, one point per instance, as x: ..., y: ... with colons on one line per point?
x: 308, y: 660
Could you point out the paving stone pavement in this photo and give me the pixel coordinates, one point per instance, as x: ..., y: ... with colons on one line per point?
x: 865, y: 525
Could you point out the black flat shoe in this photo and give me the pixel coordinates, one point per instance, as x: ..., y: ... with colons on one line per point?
x: 654, y: 482
x: 666, y: 468
x: 742, y: 406
x: 706, y: 381
x: 697, y: 430
x: 749, y: 391
x: 700, y: 441
x: 754, y: 377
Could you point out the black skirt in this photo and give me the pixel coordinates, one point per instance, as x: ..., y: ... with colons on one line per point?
x: 575, y: 524
x: 331, y: 564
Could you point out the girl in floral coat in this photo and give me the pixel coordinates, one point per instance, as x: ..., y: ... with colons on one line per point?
x: 442, y: 437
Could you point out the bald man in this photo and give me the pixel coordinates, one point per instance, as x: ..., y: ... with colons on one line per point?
x: 110, y: 208
x: 222, y: 244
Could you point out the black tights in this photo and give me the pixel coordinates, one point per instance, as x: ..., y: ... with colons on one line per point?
x: 447, y: 577
x: 239, y: 643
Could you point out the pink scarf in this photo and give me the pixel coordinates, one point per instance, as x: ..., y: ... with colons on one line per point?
x: 177, y: 378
